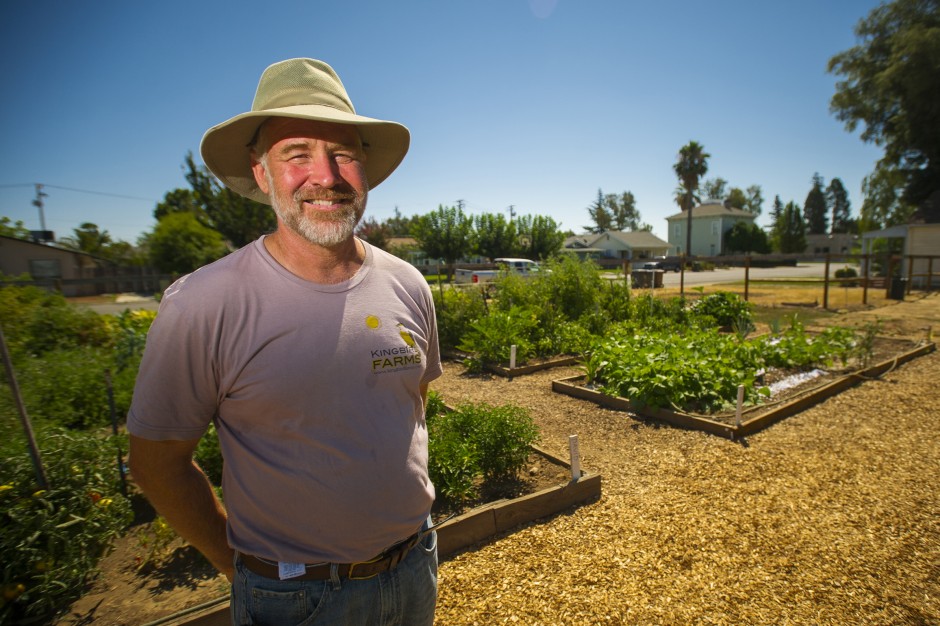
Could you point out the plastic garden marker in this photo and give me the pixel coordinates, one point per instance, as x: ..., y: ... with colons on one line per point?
x: 575, y: 457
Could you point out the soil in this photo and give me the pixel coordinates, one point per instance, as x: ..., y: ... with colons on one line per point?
x: 828, y: 517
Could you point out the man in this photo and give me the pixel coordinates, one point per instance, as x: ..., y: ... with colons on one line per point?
x: 311, y: 351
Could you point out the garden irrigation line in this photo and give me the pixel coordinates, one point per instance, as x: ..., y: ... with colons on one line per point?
x: 193, y: 609
x: 795, y: 396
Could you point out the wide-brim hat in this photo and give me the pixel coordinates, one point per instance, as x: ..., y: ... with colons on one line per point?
x: 303, y: 89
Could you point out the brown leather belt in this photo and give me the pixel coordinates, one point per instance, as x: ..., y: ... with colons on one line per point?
x: 352, y: 571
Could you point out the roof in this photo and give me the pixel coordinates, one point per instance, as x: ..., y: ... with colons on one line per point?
x: 714, y: 209
x: 633, y: 239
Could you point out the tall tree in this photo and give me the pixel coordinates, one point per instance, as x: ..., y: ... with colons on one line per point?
x: 736, y: 198
x: 599, y: 214
x: 623, y: 211
x: 539, y: 236
x: 746, y: 237
x: 495, y: 236
x: 690, y: 167
x: 890, y: 84
x: 445, y: 234
x: 793, y: 230
x: 715, y: 189
x: 776, y: 223
x: 16, y: 230
x: 755, y: 200
x: 884, y: 203
x: 838, y: 200
x: 375, y: 233
x: 180, y: 243
x: 815, y: 210
x: 398, y: 225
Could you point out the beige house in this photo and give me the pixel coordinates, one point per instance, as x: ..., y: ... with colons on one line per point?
x: 48, y: 265
x: 921, y: 250
x: 612, y: 244
x: 711, y: 220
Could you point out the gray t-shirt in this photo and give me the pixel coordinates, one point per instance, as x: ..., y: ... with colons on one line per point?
x: 315, y: 392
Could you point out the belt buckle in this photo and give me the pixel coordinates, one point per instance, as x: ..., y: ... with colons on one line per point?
x: 352, y: 567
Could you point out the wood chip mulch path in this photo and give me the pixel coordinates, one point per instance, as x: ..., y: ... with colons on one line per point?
x: 831, y: 516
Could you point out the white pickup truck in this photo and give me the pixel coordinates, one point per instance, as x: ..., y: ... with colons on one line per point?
x: 523, y: 267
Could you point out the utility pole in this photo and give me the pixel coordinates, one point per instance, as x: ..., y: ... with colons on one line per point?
x: 512, y: 212
x: 40, y: 194
x: 460, y: 204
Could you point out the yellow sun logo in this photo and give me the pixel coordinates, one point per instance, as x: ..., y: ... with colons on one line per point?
x: 373, y: 322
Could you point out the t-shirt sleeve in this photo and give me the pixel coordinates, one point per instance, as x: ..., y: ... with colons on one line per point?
x: 434, y: 368
x: 176, y: 392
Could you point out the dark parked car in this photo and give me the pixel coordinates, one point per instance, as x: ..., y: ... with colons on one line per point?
x: 664, y: 263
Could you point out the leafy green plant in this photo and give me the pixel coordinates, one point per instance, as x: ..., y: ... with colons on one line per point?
x: 727, y: 309
x: 477, y: 442
x: 490, y: 338
x: 51, y: 539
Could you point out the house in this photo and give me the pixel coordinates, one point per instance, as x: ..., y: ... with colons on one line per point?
x: 920, y: 249
x: 48, y: 264
x: 613, y: 244
x: 711, y: 220
x: 833, y: 243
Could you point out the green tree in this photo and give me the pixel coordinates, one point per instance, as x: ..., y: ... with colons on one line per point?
x: 776, y: 223
x: 88, y: 239
x: 600, y: 215
x: 755, y: 200
x: 445, y: 234
x: 623, y: 211
x: 180, y: 244
x: 495, y: 236
x: 238, y: 219
x: 736, y: 198
x: 540, y: 236
x: 838, y: 200
x: 890, y: 84
x: 690, y: 167
x: 884, y: 204
x: 399, y: 226
x: 9, y: 228
x: 814, y: 209
x: 746, y: 237
x: 375, y: 233
x: 715, y: 189
x: 793, y: 230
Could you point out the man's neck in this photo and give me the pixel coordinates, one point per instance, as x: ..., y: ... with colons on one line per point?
x: 318, y: 264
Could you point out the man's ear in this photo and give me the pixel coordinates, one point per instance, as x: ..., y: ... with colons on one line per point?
x: 257, y: 168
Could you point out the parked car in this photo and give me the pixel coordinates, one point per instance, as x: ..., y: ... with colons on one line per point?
x: 665, y: 263
x: 523, y: 267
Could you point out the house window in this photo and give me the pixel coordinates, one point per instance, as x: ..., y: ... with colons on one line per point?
x: 677, y: 230
x: 45, y: 268
x: 716, y: 227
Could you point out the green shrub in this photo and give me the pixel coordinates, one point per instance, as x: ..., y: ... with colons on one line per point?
x: 51, y: 539
x: 458, y: 309
x: 476, y: 442
x: 490, y: 339
x: 727, y: 309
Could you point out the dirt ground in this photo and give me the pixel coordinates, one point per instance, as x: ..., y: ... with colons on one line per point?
x: 831, y: 516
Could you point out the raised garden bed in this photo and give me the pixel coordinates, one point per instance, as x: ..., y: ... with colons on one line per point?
x: 458, y: 533
x: 522, y: 370
x: 755, y: 418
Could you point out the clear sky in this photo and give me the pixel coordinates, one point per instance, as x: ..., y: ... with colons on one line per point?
x: 534, y: 104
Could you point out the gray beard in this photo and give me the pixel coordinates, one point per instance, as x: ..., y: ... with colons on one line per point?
x: 328, y: 232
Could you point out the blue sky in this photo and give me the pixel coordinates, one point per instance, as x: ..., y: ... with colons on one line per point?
x: 534, y: 104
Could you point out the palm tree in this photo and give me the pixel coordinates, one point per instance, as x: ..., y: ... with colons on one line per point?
x: 690, y: 168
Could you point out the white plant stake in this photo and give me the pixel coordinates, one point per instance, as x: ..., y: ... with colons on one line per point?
x: 512, y: 357
x: 575, y: 457
x: 737, y: 414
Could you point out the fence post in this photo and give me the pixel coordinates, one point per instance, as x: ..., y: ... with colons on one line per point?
x: 24, y: 417
x: 826, y: 283
x: 865, y: 270
x: 747, y: 276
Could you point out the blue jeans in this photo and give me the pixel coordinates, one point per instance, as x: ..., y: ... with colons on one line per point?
x: 404, y: 596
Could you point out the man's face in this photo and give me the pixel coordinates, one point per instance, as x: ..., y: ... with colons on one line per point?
x: 314, y: 174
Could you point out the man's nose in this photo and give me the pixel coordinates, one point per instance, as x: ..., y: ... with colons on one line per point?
x: 323, y: 170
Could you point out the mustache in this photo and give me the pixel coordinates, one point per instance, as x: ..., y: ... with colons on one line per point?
x: 307, y: 195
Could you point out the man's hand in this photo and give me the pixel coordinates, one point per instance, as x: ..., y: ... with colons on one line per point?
x: 180, y: 492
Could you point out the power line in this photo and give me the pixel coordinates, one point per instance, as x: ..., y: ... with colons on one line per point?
x: 95, y: 193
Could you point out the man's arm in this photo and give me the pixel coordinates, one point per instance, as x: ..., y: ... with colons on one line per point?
x: 180, y: 492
